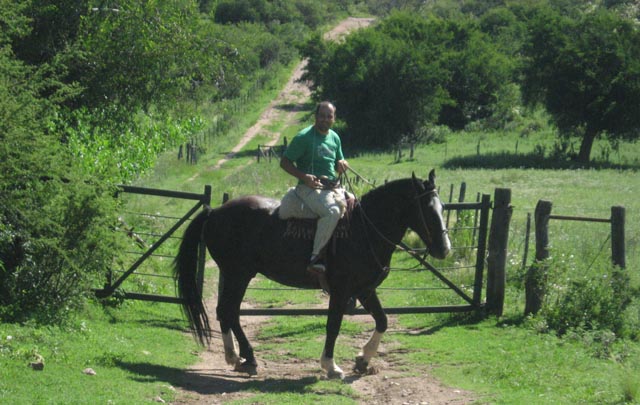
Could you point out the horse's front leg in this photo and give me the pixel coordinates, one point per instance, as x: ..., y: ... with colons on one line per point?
x: 371, y: 304
x: 337, y: 307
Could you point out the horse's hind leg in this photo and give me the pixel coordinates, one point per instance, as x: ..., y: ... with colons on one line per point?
x: 228, y: 311
x: 371, y: 304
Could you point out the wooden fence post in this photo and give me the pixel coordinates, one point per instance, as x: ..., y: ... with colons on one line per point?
x: 617, y: 236
x: 536, y: 279
x: 497, y: 254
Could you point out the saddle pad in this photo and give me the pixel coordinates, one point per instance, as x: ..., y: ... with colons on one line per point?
x: 305, y: 229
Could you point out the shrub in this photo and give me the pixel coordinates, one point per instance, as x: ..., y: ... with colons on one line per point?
x: 596, y: 300
x: 52, y: 251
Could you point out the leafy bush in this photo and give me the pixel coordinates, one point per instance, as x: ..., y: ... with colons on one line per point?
x: 597, y: 300
x: 312, y: 13
x: 52, y: 218
x: 48, y: 268
x: 111, y: 145
x: 409, y: 71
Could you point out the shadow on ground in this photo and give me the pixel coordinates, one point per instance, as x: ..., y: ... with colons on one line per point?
x: 508, y: 160
x: 207, y: 382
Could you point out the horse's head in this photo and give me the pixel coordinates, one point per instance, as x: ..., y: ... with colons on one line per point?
x: 426, y: 219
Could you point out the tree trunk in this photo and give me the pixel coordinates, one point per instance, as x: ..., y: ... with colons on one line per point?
x: 586, y: 145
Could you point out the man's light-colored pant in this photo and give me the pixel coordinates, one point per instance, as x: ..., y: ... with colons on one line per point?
x: 327, y: 205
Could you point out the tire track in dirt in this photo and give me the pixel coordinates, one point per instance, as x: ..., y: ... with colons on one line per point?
x: 291, y: 99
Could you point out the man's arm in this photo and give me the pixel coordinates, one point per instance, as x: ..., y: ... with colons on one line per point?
x: 308, y: 179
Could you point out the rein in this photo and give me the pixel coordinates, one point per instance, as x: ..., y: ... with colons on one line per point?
x: 422, y: 219
x: 401, y: 246
x: 398, y: 246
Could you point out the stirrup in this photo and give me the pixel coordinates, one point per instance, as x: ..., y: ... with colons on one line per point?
x: 316, y: 266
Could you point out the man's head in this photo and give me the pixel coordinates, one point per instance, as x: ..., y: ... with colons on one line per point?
x: 325, y: 117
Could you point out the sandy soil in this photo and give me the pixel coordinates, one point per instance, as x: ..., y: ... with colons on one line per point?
x: 212, y: 381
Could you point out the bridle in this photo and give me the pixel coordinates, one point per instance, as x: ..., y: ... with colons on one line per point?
x: 418, y: 197
x: 401, y: 246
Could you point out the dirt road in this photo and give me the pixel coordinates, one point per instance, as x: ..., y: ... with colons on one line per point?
x: 213, y: 382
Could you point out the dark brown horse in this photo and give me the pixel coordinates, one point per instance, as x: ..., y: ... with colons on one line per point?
x: 246, y: 237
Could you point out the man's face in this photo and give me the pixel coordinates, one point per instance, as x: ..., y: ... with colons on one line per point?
x: 325, y: 119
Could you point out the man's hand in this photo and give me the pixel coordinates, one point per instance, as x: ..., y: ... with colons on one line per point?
x: 342, y: 166
x: 312, y: 181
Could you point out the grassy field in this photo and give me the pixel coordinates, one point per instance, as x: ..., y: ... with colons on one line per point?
x: 139, y: 349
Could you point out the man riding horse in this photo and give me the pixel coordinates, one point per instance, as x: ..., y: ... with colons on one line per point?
x: 314, y: 157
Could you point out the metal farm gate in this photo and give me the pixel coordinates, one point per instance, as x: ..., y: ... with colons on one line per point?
x: 483, y: 246
x: 487, y: 243
x: 150, y: 250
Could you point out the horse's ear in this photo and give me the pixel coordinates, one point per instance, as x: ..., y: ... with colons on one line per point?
x: 432, y: 176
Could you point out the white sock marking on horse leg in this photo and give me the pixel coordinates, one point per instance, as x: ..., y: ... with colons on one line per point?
x: 329, y: 365
x: 231, y: 355
x: 370, y: 349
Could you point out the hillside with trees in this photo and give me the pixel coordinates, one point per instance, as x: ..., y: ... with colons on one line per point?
x: 480, y: 65
x: 91, y: 92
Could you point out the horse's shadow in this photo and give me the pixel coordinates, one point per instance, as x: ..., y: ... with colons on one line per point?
x: 211, y: 383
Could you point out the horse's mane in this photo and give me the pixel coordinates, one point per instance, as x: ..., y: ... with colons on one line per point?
x: 393, y: 187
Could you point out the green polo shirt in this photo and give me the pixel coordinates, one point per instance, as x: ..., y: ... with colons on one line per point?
x: 314, y: 153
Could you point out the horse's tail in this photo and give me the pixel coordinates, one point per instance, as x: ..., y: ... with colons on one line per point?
x: 185, y: 267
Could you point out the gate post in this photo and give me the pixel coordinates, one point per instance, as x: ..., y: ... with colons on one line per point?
x: 617, y: 236
x: 535, y: 280
x: 497, y: 255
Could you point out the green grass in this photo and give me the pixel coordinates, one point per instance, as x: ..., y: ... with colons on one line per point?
x: 138, y: 353
x: 503, y: 361
x: 140, y: 349
x: 510, y: 364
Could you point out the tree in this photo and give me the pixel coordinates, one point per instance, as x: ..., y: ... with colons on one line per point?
x: 54, y: 28
x: 586, y: 73
x: 384, y: 88
x: 52, y: 220
x: 476, y: 73
x: 407, y: 72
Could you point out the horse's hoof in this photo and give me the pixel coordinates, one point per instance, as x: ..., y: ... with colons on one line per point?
x: 335, y: 375
x: 246, y: 367
x: 361, y: 365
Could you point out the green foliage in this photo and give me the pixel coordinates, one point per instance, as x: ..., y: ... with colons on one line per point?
x: 585, y: 71
x: 310, y: 12
x: 120, y: 150
x: 505, y: 28
x: 382, y: 87
x: 138, y: 353
x: 596, y: 300
x: 408, y: 71
x: 54, y: 29
x: 477, y: 74
x: 139, y: 53
x: 53, y: 253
